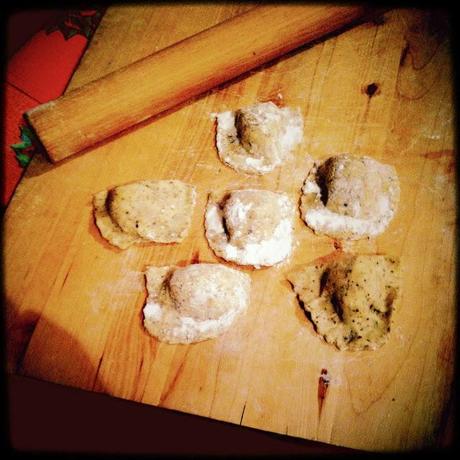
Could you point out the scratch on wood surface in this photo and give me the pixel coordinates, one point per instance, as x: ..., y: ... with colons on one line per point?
x: 97, y: 372
x: 242, y: 413
x: 65, y: 279
x: 20, y: 328
x: 171, y: 386
x: 66, y: 275
x: 216, y: 380
x: 323, y: 384
x: 404, y: 53
x: 141, y: 364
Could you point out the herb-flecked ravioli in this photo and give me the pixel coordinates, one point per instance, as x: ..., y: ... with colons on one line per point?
x: 349, y: 298
x: 145, y: 211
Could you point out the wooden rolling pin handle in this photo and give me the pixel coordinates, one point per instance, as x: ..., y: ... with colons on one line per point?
x: 100, y: 109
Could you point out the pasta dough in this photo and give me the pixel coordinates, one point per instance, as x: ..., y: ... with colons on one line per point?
x: 350, y: 197
x: 256, y: 139
x: 349, y: 298
x: 194, y: 303
x: 145, y: 211
x: 250, y: 227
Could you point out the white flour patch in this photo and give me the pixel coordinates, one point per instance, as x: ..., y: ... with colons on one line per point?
x: 116, y: 295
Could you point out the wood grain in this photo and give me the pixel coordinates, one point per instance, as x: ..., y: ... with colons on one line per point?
x: 104, y: 107
x: 74, y: 303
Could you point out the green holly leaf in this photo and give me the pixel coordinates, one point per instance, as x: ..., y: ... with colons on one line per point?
x: 19, y: 146
x: 24, y: 150
x: 26, y: 135
x: 23, y: 159
x: 69, y: 32
x: 26, y: 139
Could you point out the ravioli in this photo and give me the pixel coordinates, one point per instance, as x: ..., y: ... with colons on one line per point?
x: 194, y: 303
x: 145, y: 211
x: 349, y: 298
x: 350, y: 197
x: 250, y: 227
x: 257, y: 139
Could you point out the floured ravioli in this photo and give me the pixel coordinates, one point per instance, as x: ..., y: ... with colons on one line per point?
x: 349, y: 298
x: 250, y: 227
x: 256, y: 139
x: 145, y: 211
x: 350, y: 197
x: 194, y: 303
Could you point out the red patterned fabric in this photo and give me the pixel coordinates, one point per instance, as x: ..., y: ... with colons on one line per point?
x: 38, y: 72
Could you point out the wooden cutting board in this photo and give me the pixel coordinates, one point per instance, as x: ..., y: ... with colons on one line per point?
x: 74, y: 303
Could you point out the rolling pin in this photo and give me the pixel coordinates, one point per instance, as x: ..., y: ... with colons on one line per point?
x: 109, y: 105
